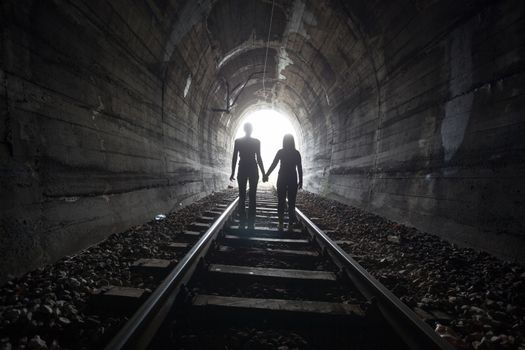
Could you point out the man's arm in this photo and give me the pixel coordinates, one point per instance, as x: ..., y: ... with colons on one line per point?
x: 300, y: 171
x: 259, y: 159
x: 234, y: 160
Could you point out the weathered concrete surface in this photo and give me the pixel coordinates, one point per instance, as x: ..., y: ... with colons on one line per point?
x: 97, y: 132
x: 410, y: 109
x: 438, y: 143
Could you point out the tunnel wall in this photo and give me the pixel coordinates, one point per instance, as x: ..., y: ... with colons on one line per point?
x: 433, y: 136
x: 101, y: 125
x: 409, y: 109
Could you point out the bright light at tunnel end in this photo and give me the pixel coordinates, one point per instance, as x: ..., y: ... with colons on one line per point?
x: 269, y: 126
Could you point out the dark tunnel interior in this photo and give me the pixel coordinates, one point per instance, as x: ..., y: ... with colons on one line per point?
x: 121, y: 227
x: 410, y: 109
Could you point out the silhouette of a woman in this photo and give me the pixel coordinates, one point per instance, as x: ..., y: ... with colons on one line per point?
x: 287, y: 185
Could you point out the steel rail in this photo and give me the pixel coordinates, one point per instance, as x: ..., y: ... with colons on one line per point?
x: 412, y: 330
x: 141, y: 327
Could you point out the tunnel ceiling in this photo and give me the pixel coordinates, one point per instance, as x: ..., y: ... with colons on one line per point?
x: 323, y: 58
x: 307, y: 44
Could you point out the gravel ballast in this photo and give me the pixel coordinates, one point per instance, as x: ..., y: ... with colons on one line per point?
x: 479, y: 299
x: 51, y: 308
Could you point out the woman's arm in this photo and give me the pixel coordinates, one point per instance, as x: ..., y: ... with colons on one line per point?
x: 274, y: 163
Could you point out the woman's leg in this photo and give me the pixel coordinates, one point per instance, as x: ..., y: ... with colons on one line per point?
x: 281, y: 201
x: 292, y: 195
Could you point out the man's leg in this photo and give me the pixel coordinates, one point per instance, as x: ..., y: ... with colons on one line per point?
x: 241, y: 181
x: 252, y: 193
x: 292, y: 195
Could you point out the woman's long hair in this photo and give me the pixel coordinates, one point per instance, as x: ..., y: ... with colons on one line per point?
x: 288, y: 142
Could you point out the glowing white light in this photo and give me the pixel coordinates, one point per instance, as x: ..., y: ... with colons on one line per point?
x: 269, y: 127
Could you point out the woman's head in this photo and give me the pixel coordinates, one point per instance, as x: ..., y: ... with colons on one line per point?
x: 288, y: 142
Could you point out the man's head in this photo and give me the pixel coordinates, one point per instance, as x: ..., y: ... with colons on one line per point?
x: 248, y: 128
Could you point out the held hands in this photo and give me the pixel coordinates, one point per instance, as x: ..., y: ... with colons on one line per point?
x: 265, y: 178
x: 232, y: 178
x: 300, y: 185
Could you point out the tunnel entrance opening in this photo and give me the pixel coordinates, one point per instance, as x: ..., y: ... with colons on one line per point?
x: 269, y: 126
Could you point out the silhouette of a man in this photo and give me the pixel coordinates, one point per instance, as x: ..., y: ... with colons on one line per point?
x: 249, y: 150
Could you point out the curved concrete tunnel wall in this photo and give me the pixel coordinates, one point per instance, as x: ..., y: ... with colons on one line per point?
x: 412, y: 110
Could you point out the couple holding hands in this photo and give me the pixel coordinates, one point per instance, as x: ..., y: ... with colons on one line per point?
x: 249, y: 151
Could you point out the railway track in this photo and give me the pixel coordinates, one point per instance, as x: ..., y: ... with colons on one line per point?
x: 259, y: 288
